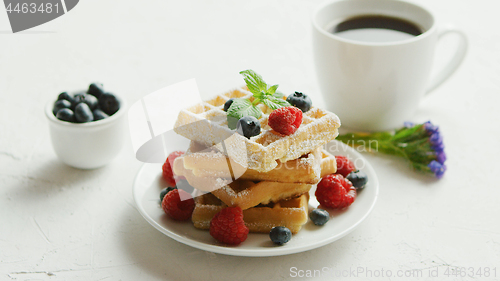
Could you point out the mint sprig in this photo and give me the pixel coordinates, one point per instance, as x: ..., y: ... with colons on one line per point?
x: 262, y: 93
x: 255, y: 83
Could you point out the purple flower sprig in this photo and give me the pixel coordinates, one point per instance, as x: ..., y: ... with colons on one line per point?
x: 420, y: 144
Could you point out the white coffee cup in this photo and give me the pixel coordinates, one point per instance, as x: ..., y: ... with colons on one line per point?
x: 378, y: 85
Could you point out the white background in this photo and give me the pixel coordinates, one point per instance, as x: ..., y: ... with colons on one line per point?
x: 59, y: 223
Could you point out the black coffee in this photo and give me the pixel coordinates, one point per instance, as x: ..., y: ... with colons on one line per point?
x: 376, y: 28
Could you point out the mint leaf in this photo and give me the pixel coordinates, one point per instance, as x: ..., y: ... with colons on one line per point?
x: 272, y: 90
x: 257, y: 86
x: 239, y: 108
x: 278, y: 95
x: 254, y: 81
x: 274, y: 103
x: 259, y: 95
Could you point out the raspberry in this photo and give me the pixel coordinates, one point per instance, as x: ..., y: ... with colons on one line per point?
x: 227, y: 226
x: 176, y: 208
x: 285, y: 120
x: 168, y: 173
x: 335, y: 191
x: 344, y: 165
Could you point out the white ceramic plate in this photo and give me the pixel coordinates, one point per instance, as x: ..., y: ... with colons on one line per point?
x: 148, y: 185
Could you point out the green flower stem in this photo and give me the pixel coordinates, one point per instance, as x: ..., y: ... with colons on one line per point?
x: 421, y: 167
x: 409, y: 143
x: 405, y: 135
x: 377, y: 142
x: 365, y: 137
x: 419, y: 144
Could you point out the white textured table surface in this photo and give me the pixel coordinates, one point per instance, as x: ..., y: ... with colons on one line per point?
x: 59, y: 223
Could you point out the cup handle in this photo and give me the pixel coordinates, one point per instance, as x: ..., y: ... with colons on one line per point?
x: 455, y: 61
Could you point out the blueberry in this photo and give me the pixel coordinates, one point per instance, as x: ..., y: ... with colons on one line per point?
x: 65, y: 96
x: 60, y: 104
x: 165, y: 191
x: 77, y: 98
x: 300, y: 100
x: 65, y: 114
x: 99, y: 114
x: 248, y: 126
x: 90, y: 100
x: 280, y: 235
x: 83, y: 113
x: 109, y: 103
x: 228, y: 104
x: 358, y: 179
x: 319, y: 216
x: 95, y: 89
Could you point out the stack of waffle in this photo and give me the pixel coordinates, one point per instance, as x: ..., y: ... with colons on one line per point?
x: 268, y: 176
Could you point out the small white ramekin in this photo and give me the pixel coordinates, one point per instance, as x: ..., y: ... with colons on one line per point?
x: 87, y: 145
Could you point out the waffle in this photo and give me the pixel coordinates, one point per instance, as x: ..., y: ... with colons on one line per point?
x: 214, y: 164
x: 209, y: 170
x: 328, y: 164
x: 292, y: 213
x: 206, y: 123
x: 243, y: 193
x: 246, y: 194
x: 207, y: 184
x: 209, y: 162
